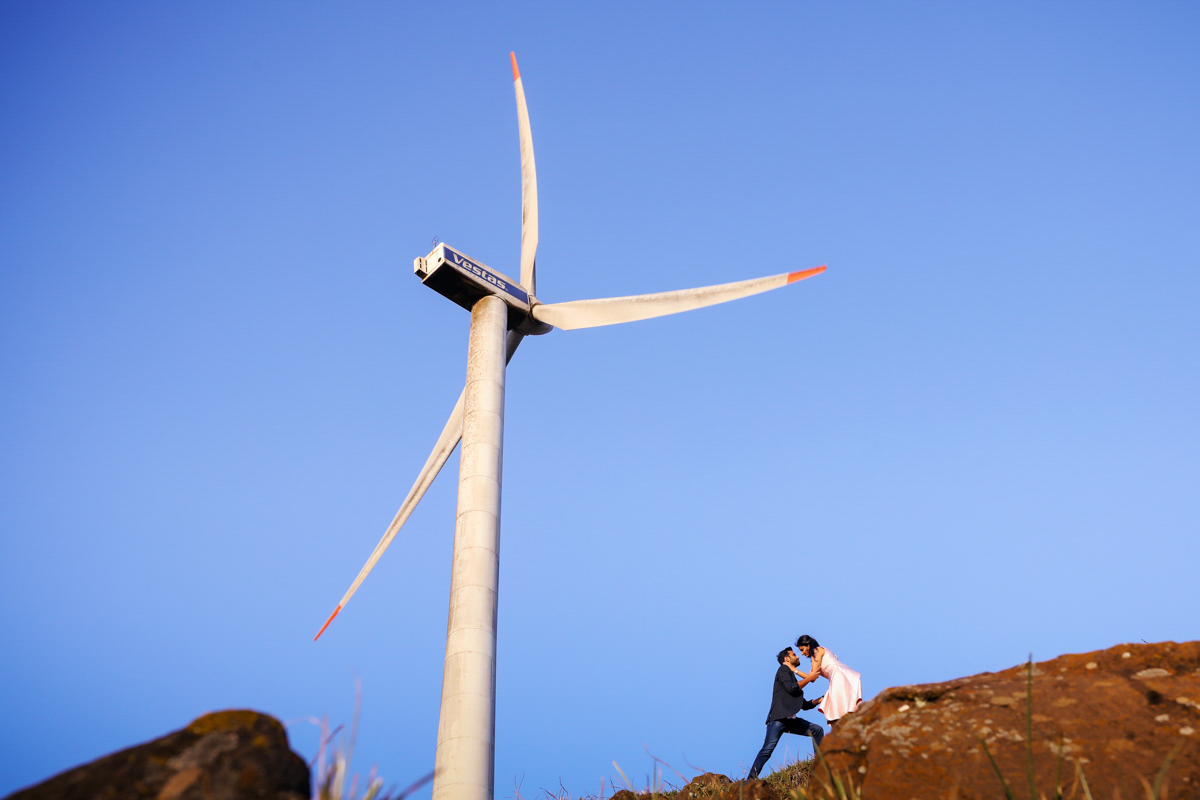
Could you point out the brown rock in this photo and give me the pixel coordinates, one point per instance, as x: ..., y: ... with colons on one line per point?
x: 228, y: 755
x: 1115, y: 713
x: 749, y: 789
x: 711, y: 786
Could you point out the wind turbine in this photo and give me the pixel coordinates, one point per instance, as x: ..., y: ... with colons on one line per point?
x: 503, y: 312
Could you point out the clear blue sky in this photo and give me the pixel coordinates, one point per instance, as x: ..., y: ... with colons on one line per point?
x: 977, y: 435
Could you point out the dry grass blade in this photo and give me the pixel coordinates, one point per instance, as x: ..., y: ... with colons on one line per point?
x: 621, y: 772
x: 1029, y: 728
x: 1087, y: 792
x: 658, y: 760
x: 1058, y: 770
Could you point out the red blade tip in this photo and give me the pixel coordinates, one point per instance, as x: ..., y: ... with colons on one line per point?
x: 516, y: 72
x: 326, y: 625
x: 805, y: 273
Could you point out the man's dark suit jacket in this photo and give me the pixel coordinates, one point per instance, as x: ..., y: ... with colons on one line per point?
x: 786, y: 696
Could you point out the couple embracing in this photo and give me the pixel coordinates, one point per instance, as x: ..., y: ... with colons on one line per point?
x: 787, y: 696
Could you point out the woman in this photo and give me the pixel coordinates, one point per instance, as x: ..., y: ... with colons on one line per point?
x: 845, y: 685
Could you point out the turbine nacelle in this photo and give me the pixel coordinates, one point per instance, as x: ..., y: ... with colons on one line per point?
x: 464, y: 280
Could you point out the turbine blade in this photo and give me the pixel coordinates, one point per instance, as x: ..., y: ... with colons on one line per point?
x: 451, y: 434
x: 529, y: 200
x: 612, y: 310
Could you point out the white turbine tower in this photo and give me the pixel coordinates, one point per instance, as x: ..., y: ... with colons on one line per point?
x: 503, y: 312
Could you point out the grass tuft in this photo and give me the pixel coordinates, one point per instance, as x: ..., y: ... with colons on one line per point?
x: 335, y: 755
x: 791, y: 777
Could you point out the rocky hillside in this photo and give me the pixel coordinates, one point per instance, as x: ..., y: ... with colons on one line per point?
x: 1112, y: 719
x: 1113, y: 716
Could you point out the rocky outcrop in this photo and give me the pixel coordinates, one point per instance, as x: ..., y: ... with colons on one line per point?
x: 1116, y: 714
x: 709, y: 786
x: 228, y: 755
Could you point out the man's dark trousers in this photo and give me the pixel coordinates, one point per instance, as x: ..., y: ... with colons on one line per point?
x: 776, y: 729
x: 787, y: 698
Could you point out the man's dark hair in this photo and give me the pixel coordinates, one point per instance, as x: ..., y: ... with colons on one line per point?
x: 783, y: 654
x: 809, y: 642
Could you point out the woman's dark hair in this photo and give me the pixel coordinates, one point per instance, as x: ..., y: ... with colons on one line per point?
x: 783, y: 654
x: 809, y: 642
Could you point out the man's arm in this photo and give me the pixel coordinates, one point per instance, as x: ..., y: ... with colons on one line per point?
x: 811, y: 704
x: 784, y: 678
x: 804, y: 678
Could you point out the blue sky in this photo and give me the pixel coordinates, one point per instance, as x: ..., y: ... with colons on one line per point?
x: 974, y: 437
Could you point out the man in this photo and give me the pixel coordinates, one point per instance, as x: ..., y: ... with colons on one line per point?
x: 787, y: 697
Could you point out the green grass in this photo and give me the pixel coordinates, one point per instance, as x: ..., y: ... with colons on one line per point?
x: 824, y: 784
x: 791, y: 777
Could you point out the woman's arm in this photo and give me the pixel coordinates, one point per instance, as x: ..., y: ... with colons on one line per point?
x: 805, y: 680
x: 815, y: 665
